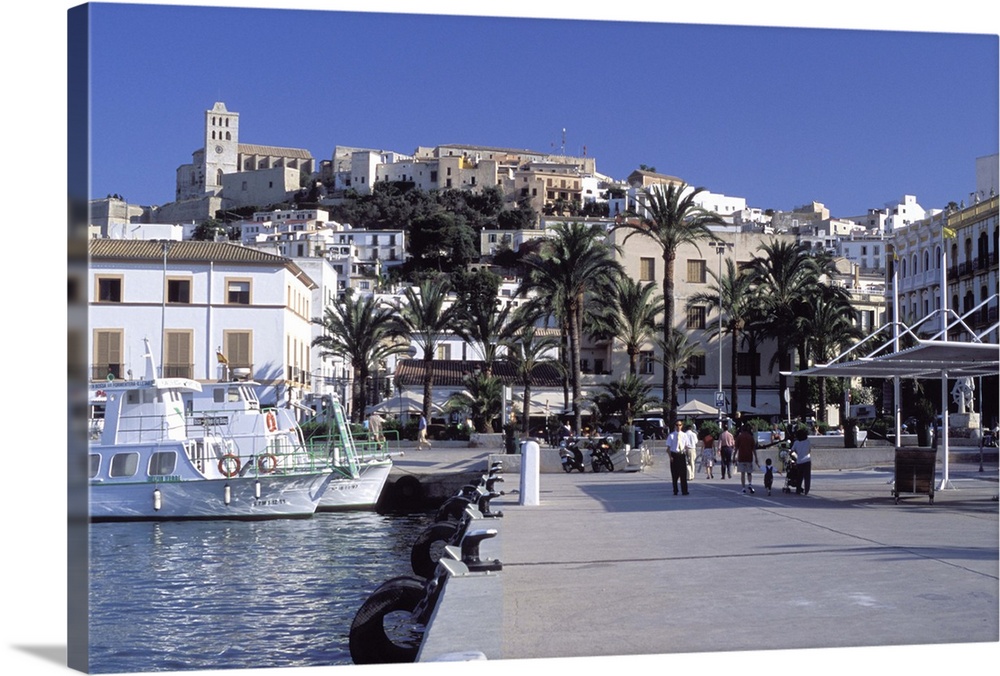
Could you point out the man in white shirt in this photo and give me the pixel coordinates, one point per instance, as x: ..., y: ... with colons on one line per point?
x: 692, y: 450
x: 677, y: 449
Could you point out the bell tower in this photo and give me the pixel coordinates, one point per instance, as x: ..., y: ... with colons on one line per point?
x: 222, y: 138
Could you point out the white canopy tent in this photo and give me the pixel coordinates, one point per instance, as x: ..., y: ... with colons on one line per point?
x: 927, y: 358
x: 697, y: 409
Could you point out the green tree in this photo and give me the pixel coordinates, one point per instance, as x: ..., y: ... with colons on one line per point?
x: 481, y: 319
x: 787, y: 275
x: 483, y: 398
x: 630, y: 317
x: 362, y: 332
x: 427, y: 317
x: 576, y: 261
x: 627, y: 397
x: 672, y: 218
x: 677, y: 353
x: 525, y: 351
x: 731, y: 295
x: 827, y: 329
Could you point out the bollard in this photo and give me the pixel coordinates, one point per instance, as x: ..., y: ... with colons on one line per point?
x: 530, y: 462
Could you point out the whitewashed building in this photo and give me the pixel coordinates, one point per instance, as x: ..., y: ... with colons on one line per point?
x: 193, y: 300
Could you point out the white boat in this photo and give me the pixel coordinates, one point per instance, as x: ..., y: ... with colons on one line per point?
x: 266, y: 434
x: 144, y: 464
x: 369, y: 463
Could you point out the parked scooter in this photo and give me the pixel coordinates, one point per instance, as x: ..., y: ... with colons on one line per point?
x: 600, y: 454
x: 570, y: 455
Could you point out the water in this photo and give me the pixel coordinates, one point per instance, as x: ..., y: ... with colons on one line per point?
x: 227, y: 594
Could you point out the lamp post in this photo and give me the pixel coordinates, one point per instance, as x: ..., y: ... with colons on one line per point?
x: 720, y: 395
x: 163, y: 307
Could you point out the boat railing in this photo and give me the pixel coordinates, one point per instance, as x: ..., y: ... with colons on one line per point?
x: 224, y: 456
x: 147, y: 427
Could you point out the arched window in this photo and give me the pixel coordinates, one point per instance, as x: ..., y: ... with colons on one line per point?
x: 970, y: 300
x: 229, y: 136
x: 927, y: 261
x: 913, y: 262
x: 218, y: 177
x: 902, y: 268
x: 937, y: 258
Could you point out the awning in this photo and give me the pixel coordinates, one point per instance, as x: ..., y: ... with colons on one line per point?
x: 928, y: 359
x: 696, y: 408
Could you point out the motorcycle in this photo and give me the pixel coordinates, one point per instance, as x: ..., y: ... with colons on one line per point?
x: 570, y: 455
x: 600, y: 454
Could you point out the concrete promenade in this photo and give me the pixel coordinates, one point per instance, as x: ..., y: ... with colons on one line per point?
x: 615, y: 564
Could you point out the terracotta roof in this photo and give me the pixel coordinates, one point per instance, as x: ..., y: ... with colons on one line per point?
x: 276, y: 151
x: 451, y: 373
x: 189, y: 251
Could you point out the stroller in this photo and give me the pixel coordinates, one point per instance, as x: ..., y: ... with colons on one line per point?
x: 793, y: 479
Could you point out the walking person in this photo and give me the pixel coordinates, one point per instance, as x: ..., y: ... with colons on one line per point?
x: 677, y: 442
x: 726, y: 447
x: 802, y: 448
x: 708, y: 455
x: 422, y: 440
x: 375, y: 428
x: 746, y: 457
x: 692, y: 450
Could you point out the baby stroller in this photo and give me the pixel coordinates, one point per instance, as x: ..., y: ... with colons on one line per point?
x: 793, y: 479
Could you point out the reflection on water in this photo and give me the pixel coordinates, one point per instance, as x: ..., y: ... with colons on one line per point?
x: 227, y: 594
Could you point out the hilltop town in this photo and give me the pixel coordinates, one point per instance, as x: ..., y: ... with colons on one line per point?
x: 260, y: 241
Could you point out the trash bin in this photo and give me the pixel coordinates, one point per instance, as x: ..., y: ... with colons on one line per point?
x: 915, y: 469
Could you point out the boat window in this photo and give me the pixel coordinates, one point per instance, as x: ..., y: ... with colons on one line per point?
x: 162, y: 463
x: 95, y: 464
x: 234, y: 394
x: 219, y: 395
x: 124, y: 464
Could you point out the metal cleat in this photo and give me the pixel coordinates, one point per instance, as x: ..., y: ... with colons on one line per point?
x: 484, y: 505
x: 469, y: 551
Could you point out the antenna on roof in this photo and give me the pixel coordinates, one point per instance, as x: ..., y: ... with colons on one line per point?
x: 562, y: 148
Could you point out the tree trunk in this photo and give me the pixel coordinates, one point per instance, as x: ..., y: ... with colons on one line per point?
x: 669, y: 379
x: 734, y: 402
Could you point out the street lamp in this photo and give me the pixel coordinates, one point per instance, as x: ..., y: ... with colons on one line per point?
x: 720, y: 395
x: 163, y: 306
x: 688, y: 381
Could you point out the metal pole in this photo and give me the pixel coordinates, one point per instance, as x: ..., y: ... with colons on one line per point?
x: 163, y: 307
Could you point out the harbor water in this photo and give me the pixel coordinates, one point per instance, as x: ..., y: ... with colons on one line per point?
x: 171, y: 596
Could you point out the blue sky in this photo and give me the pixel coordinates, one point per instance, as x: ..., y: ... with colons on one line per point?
x: 779, y: 115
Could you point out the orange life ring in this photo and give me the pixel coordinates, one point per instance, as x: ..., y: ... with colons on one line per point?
x: 271, y: 420
x: 267, y: 463
x: 227, y: 467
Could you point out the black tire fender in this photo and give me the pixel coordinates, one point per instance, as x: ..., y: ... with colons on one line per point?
x: 368, y: 641
x: 452, y: 509
x: 427, y: 547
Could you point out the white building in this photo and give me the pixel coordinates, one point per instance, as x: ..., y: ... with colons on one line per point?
x: 194, y: 299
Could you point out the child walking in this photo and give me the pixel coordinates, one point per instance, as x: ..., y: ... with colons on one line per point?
x: 768, y: 475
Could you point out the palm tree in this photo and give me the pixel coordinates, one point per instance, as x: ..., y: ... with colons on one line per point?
x: 525, y: 351
x: 677, y: 353
x: 483, y: 398
x: 631, y: 316
x: 362, y: 332
x: 673, y: 218
x: 627, y: 397
x: 827, y: 328
x: 787, y: 275
x: 731, y: 295
x: 482, y: 320
x: 426, y: 318
x: 575, y: 262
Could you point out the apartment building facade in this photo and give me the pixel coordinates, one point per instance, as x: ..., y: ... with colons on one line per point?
x: 194, y: 300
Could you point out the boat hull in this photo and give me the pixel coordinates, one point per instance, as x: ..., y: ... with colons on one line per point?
x: 360, y: 493
x: 244, y: 498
